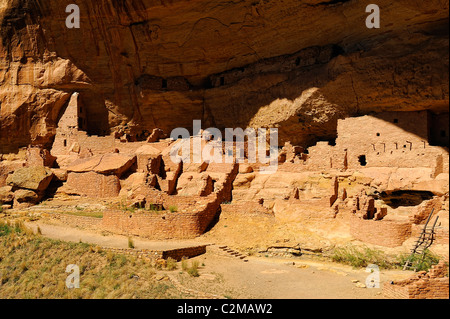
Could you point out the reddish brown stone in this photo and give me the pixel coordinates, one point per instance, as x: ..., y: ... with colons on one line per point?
x: 93, y: 184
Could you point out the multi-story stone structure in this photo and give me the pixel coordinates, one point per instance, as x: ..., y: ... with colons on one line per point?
x: 71, y: 133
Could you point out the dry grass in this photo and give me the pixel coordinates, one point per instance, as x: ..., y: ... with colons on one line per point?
x: 191, y: 270
x: 171, y: 264
x: 360, y: 257
x: 32, y: 267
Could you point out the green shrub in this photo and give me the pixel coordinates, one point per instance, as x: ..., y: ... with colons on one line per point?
x: 420, y: 262
x: 19, y: 227
x: 362, y: 257
x: 130, y: 243
x: 171, y: 264
x: 5, y: 229
x: 193, y: 270
x: 184, y: 264
x: 173, y: 209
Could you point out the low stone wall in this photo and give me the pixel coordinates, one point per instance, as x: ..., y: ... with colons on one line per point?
x: 153, y: 255
x: 429, y: 289
x: 381, y: 233
x: 246, y: 208
x: 84, y: 222
x: 432, y: 285
x: 164, y: 225
x: 188, y: 252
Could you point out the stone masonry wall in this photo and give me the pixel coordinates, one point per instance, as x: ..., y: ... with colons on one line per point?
x: 92, y: 223
x: 399, y: 139
x: 431, y: 285
x: 94, y: 185
x: 163, y: 225
x: 96, y: 144
x: 391, y: 139
x: 154, y: 255
x: 66, y: 133
x: 382, y: 233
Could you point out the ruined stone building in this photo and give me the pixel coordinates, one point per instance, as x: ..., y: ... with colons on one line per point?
x: 391, y: 139
x: 72, y: 132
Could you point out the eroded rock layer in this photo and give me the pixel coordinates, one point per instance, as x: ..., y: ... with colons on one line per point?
x: 145, y: 64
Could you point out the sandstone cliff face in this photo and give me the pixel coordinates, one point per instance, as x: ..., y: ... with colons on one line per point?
x: 141, y: 64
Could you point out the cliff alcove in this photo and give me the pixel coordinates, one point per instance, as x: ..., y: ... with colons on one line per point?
x: 359, y: 111
x: 148, y: 64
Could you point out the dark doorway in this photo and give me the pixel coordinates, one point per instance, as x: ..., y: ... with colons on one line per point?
x: 363, y: 160
x: 96, y: 115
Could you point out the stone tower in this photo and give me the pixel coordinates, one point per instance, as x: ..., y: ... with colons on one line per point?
x: 70, y: 123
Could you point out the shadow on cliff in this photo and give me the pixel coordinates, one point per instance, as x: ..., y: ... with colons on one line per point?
x: 236, y: 96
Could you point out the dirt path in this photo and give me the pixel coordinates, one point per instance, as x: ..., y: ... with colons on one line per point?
x: 269, y: 278
x: 259, y: 278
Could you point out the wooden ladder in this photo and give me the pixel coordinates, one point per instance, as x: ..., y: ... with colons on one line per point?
x: 424, y: 242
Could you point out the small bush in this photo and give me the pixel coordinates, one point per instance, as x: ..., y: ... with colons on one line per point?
x: 154, y: 208
x: 5, y: 229
x: 184, y: 264
x: 171, y: 264
x: 18, y: 227
x: 173, y: 209
x: 419, y: 262
x: 192, y: 270
x: 130, y: 243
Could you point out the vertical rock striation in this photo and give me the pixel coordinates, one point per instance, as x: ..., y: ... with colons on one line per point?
x: 145, y: 64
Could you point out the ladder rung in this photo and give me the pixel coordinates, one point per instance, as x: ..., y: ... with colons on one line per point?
x: 424, y: 241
